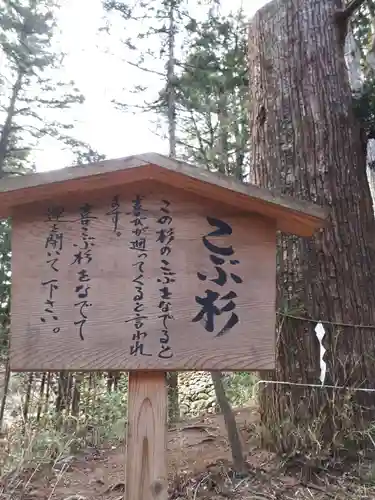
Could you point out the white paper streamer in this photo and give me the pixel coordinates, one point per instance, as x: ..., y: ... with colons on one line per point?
x: 320, y: 332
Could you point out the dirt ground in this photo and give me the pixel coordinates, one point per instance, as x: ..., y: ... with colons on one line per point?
x: 199, y: 468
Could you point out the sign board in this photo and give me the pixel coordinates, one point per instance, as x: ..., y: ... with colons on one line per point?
x: 149, y: 264
x: 142, y: 278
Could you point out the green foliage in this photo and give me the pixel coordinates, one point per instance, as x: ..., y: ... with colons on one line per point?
x: 239, y: 388
x: 34, y: 446
x: 361, y: 25
x: 101, y: 418
x: 211, y: 93
x: 32, y: 97
x: 364, y: 107
x: 89, y: 156
x: 118, y: 6
x: 364, y: 101
x: 103, y: 409
x: 32, y: 94
x: 147, y: 50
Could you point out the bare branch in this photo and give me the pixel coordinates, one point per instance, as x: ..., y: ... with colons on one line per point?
x: 147, y: 70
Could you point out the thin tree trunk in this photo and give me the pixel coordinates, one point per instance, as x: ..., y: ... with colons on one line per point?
x: 7, y: 126
x: 48, y: 388
x: 116, y: 378
x: 6, y: 131
x: 93, y: 389
x: 171, y: 78
x: 306, y: 143
x: 5, y: 393
x: 230, y: 423
x: 217, y: 377
x: 173, y: 405
x: 77, y: 395
x: 110, y: 381
x: 69, y: 390
x: 172, y: 377
x: 223, y: 138
x: 26, y: 406
x: 63, y: 385
x: 41, y: 394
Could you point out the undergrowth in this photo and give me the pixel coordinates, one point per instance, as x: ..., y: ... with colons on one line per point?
x: 53, y: 437
x: 101, y: 421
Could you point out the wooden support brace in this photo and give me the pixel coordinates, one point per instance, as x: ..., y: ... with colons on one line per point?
x: 146, y: 468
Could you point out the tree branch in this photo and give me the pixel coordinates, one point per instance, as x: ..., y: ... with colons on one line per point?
x: 147, y: 70
x: 352, y: 7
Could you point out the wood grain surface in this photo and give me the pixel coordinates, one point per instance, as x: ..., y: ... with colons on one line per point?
x: 107, y: 339
x: 146, y: 467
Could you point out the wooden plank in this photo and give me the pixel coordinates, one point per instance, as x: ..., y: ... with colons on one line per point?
x: 40, y: 343
x: 146, y: 460
x: 294, y: 216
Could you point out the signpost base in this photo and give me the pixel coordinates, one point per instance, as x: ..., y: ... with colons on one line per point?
x: 146, y: 451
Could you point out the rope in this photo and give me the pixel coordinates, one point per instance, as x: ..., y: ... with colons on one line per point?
x: 326, y: 322
x: 318, y: 386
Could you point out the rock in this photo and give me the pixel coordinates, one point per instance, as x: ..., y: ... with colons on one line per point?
x: 203, y: 396
x: 196, y: 393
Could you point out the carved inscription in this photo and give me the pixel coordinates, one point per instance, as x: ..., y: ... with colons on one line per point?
x: 53, y: 246
x: 83, y: 260
x: 142, y: 278
x: 221, y: 257
x: 139, y: 246
x: 165, y: 238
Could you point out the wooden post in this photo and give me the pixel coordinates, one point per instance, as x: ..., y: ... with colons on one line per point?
x: 146, y: 467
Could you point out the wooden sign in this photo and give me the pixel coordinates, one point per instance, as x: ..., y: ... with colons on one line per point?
x: 143, y: 278
x: 139, y: 264
x: 144, y: 264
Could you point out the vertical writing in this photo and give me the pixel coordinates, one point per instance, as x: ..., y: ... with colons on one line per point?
x: 139, y: 246
x: 165, y: 237
x: 82, y: 260
x: 114, y: 212
x: 209, y: 309
x: 53, y: 246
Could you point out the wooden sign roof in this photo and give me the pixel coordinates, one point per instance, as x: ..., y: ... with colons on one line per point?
x: 292, y: 216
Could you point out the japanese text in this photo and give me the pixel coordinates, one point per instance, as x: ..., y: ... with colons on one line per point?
x: 53, y: 246
x: 165, y: 237
x: 114, y: 212
x: 219, y: 254
x: 139, y: 246
x: 82, y: 259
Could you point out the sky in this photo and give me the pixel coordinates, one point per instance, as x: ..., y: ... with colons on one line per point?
x: 101, y: 75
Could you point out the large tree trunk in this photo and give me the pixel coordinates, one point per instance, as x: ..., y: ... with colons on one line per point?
x: 307, y: 143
